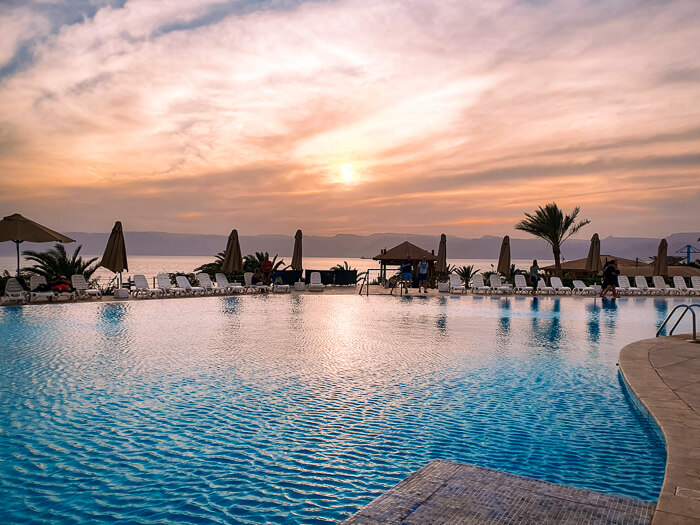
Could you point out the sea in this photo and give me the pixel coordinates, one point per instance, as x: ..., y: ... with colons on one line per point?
x: 151, y: 265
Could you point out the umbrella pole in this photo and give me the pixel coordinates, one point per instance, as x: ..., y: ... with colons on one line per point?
x: 17, y: 244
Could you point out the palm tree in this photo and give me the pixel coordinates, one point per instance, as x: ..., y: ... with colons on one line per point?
x: 251, y: 262
x: 56, y: 262
x: 466, y: 273
x: 214, y: 267
x: 552, y: 225
x: 343, y: 267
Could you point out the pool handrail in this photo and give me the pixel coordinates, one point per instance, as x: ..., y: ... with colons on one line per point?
x: 687, y: 308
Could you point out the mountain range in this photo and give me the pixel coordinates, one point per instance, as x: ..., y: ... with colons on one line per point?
x: 347, y: 245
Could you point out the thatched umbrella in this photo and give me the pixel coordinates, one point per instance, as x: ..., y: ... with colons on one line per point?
x: 504, y: 258
x: 233, y: 260
x: 114, y: 258
x: 661, y: 266
x: 593, y: 259
x: 19, y: 229
x: 296, y: 256
x: 441, y: 264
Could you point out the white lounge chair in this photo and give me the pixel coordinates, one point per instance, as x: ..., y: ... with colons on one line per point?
x: 478, y: 285
x: 222, y: 282
x: 542, y: 287
x: 641, y: 282
x: 316, y: 284
x: 81, y: 287
x: 695, y: 285
x: 184, y: 283
x: 660, y: 284
x: 625, y: 288
x: 281, y: 288
x: 248, y: 280
x: 141, y: 287
x: 581, y: 289
x: 36, y: 281
x: 521, y: 284
x: 14, y: 293
x: 167, y: 287
x: 680, y: 286
x: 205, y: 282
x: 558, y: 286
x: 497, y: 285
x: 456, y: 284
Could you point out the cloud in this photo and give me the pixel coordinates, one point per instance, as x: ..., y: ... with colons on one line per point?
x: 193, y: 116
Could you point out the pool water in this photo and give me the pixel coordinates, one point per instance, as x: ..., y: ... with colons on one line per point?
x: 303, y: 409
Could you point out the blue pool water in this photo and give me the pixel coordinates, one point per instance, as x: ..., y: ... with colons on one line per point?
x: 303, y: 409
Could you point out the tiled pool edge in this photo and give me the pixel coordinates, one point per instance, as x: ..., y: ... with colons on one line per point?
x: 664, y: 375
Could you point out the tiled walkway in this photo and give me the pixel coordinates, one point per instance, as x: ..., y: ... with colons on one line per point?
x: 664, y: 373
x: 445, y: 492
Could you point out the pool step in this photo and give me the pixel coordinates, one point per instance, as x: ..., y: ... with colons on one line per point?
x: 450, y: 492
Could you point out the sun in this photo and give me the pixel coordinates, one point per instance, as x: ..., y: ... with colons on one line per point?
x: 346, y: 173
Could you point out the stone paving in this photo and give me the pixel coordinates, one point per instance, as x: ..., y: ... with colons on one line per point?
x: 664, y: 374
x: 446, y: 492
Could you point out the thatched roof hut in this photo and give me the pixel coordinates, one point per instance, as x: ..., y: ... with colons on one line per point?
x: 397, y: 254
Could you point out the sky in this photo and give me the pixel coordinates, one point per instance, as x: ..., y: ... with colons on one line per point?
x: 355, y: 116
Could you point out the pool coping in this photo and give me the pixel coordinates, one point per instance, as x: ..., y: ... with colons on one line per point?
x: 664, y: 375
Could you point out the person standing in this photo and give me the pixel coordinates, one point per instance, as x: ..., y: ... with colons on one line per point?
x: 610, y: 273
x: 266, y: 268
x: 423, y: 275
x: 534, y: 276
x: 407, y: 272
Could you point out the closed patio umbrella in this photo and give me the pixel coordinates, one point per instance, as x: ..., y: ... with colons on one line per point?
x: 593, y: 259
x: 233, y: 260
x: 504, y: 258
x: 296, y: 256
x: 19, y: 229
x: 114, y: 257
x: 441, y: 264
x: 661, y: 266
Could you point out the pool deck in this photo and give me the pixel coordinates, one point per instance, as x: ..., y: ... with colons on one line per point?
x: 448, y: 492
x: 664, y: 374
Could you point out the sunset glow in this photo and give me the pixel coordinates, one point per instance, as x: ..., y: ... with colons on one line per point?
x: 333, y: 117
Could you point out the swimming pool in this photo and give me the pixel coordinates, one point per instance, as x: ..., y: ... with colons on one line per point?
x: 302, y: 409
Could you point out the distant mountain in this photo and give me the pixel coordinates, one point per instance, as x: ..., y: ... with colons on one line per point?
x: 346, y: 245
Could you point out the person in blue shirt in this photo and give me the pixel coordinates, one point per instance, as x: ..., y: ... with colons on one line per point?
x: 423, y: 275
x: 407, y: 272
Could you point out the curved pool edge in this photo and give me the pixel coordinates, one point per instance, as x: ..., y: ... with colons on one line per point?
x: 664, y: 375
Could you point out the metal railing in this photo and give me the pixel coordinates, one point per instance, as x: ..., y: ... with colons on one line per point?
x: 686, y: 308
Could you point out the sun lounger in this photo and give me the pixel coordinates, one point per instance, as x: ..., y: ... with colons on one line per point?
x: 39, y: 280
x: 80, y: 286
x: 641, y: 282
x: 315, y: 283
x: 184, y: 283
x: 695, y: 285
x: 581, y: 289
x: 222, y: 282
x: 141, y: 287
x: 660, y: 284
x: 497, y: 285
x: 14, y: 293
x: 167, y: 287
x: 521, y: 284
x: 542, y: 287
x: 281, y: 288
x: 625, y: 288
x: 558, y: 286
x: 456, y: 284
x: 478, y: 285
x: 248, y: 280
x: 680, y: 286
x: 205, y: 282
